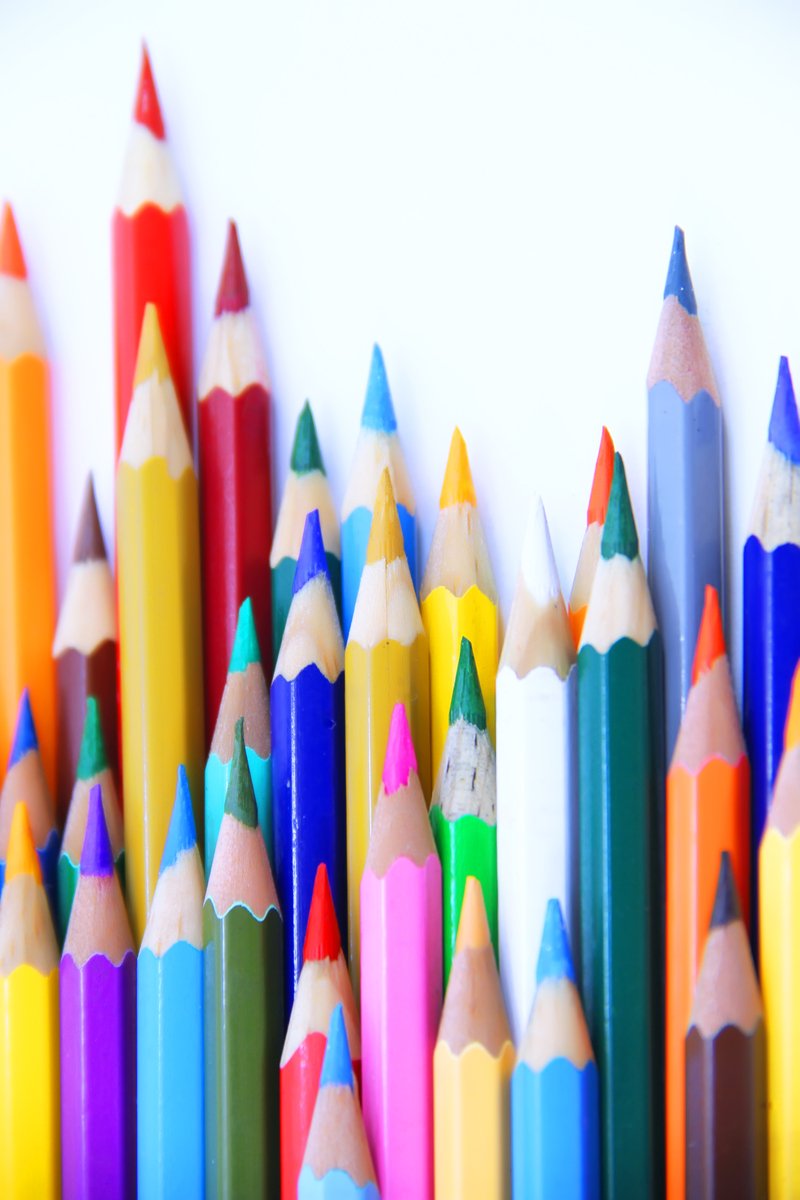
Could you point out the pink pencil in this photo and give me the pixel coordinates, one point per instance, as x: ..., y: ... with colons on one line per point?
x: 401, y: 975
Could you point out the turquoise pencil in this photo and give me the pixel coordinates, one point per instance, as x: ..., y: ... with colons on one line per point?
x: 378, y: 448
x: 169, y: 1020
x: 555, y: 1122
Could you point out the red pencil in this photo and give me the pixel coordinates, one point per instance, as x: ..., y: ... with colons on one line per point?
x: 150, y: 255
x: 235, y: 483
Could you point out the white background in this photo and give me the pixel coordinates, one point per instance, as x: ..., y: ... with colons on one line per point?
x: 488, y: 190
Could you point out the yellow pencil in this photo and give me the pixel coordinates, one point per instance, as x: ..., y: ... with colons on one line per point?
x: 472, y: 1067
x: 458, y: 597
x: 161, y: 663
x: 385, y: 663
x: 30, y: 1158
x: 779, y: 940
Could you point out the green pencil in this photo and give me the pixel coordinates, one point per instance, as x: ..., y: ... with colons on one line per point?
x: 464, y: 805
x: 243, y: 936
x: 306, y: 488
x: 618, y: 674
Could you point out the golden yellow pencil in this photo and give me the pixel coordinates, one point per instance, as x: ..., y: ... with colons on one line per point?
x: 385, y: 663
x: 472, y: 1066
x: 779, y: 942
x: 458, y: 597
x: 30, y: 1158
x: 161, y: 659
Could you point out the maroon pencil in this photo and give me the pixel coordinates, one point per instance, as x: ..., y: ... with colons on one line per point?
x: 98, y: 1029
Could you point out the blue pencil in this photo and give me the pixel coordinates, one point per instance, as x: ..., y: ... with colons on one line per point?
x: 378, y: 447
x: 308, y: 783
x: 25, y: 780
x: 555, y: 1125
x: 337, y: 1163
x: 169, y: 1019
x: 771, y: 629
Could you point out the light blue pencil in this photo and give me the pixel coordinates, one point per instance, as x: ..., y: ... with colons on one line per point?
x: 378, y: 447
x: 555, y: 1126
x: 169, y: 1020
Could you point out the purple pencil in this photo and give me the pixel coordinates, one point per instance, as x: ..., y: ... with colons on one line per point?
x: 98, y: 1029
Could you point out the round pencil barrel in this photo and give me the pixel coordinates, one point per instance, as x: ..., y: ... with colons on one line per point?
x: 30, y: 1158
x: 150, y: 259
x: 620, y: 915
x: 684, y: 503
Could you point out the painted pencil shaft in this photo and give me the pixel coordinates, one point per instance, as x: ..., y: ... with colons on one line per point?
x: 30, y: 1158
x: 466, y: 847
x: 81, y: 676
x: 244, y: 1031
x: 308, y: 803
x: 537, y: 822
x: 618, y: 905
x: 554, y: 1125
x: 169, y: 1083
x: 472, y: 1137
x: 335, y: 1185
x: 98, y: 1078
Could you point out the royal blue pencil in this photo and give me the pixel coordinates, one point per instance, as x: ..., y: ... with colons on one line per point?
x: 308, y: 783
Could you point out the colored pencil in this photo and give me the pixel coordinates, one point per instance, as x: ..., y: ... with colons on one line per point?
x: 242, y: 932
x: 160, y: 642
x: 97, y: 990
x: 337, y: 1163
x: 779, y: 943
x: 93, y: 768
x: 590, y: 546
x: 537, y: 775
x: 308, y: 795
x: 685, y: 484
x: 85, y: 649
x: 472, y: 1067
x: 385, y: 663
x: 725, y: 1060
x: 378, y: 449
x: 306, y: 489
x: 708, y: 811
x: 464, y: 805
x: 169, y: 1019
x: 150, y: 257
x: 30, y: 1158
x: 234, y: 455
x: 401, y: 974
x: 620, y: 908
x: 27, y: 564
x: 25, y: 780
x: 324, y: 983
x: 555, y: 1119
x: 458, y: 597
x: 246, y: 695
x: 771, y: 582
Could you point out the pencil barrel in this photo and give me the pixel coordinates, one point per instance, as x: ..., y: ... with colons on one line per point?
x: 472, y: 1102
x: 537, y: 823
x: 555, y: 1131
x: 79, y: 677
x: 169, y: 1077
x: 30, y: 1135
x: 401, y: 996
x: 308, y: 804
x: 236, y: 520
x: 98, y: 1078
x: 243, y: 1012
x: 447, y: 619
x: 618, y: 815
x: 217, y: 774
x: 467, y: 846
x: 355, y: 536
x: 282, y: 587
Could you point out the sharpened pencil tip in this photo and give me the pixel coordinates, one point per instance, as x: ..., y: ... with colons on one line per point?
x: 25, y: 738
x: 311, y: 560
x: 679, y: 281
x: 710, y: 638
x: 182, y: 834
x: 96, y: 856
x: 555, y: 959
x: 378, y: 411
x: 89, y: 545
x: 92, y: 758
x: 619, y: 531
x: 784, y: 424
x: 473, y: 927
x: 322, y: 939
x: 401, y: 758
x: 457, y: 487
x: 385, y: 532
x: 240, y: 798
x: 726, y: 901
x: 467, y: 699
x: 246, y: 649
x: 151, y: 358
x: 601, y: 482
x: 21, y: 856
x: 233, y: 294
x: 306, y: 454
x: 147, y: 110
x: 337, y: 1066
x: 12, y: 260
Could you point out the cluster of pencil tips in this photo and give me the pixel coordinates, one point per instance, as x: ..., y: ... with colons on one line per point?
x: 406, y: 965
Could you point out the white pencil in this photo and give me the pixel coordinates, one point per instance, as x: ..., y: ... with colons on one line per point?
x: 537, y: 783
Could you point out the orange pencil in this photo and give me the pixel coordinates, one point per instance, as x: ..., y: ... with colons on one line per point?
x: 708, y: 811
x: 27, y: 568
x: 590, y: 547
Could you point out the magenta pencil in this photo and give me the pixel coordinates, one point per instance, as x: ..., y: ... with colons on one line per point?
x: 98, y: 1029
x: 401, y: 975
